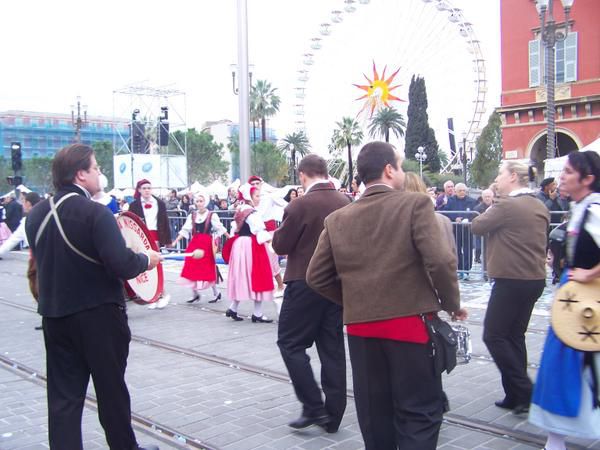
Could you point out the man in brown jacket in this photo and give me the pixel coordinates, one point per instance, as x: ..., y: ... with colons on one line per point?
x: 306, y: 318
x: 382, y: 258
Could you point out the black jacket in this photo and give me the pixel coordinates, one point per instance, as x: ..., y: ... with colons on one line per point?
x: 162, y: 220
x: 68, y: 283
x: 14, y: 214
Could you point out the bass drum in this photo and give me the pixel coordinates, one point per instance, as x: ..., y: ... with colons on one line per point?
x: 148, y: 286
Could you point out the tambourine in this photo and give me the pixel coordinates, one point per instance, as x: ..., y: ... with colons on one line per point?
x: 147, y: 286
x: 576, y: 315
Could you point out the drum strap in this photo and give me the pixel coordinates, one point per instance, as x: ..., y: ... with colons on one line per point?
x: 53, y: 213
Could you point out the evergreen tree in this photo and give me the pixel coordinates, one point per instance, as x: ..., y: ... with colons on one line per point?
x: 105, y: 158
x: 489, y: 153
x: 205, y: 162
x: 418, y: 131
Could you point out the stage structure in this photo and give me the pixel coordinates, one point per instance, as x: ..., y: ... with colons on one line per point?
x: 150, y: 150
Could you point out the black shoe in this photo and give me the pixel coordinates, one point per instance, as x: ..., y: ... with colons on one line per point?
x: 233, y: 315
x: 195, y: 299
x: 303, y: 421
x: 521, y: 409
x: 148, y: 447
x: 260, y: 319
x: 505, y: 404
x: 216, y: 299
x: 329, y: 428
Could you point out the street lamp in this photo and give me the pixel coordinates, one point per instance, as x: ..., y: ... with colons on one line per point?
x: 421, y: 156
x: 77, y: 122
x: 244, y: 88
x: 234, y: 68
x: 550, y: 34
x: 463, y: 156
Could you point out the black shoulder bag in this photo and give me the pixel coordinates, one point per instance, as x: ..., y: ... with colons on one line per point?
x: 443, y: 343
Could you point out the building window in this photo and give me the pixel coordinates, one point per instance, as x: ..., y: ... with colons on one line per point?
x: 565, y: 63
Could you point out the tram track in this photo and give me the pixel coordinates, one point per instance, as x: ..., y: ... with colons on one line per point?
x: 158, y: 431
x: 161, y: 430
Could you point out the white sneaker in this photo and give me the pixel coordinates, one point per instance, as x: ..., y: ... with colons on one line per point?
x: 163, y: 301
x: 152, y: 305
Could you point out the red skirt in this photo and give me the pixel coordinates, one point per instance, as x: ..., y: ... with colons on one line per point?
x: 203, y: 269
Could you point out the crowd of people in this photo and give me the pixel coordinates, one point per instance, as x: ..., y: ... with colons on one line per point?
x: 340, y: 272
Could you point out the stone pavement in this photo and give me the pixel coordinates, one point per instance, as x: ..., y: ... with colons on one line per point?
x: 197, y: 375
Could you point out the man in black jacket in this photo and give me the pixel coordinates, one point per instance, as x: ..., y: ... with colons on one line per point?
x: 81, y: 302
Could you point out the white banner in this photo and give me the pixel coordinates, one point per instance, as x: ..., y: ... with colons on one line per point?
x: 161, y: 170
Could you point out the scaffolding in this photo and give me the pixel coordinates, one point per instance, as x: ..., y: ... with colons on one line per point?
x: 153, y: 112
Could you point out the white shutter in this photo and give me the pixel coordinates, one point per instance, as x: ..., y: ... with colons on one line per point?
x: 534, y: 63
x: 571, y: 57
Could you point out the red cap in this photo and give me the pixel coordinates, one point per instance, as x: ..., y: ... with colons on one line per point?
x: 139, y: 184
x: 254, y: 178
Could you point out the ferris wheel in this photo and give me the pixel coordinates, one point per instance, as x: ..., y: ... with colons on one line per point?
x: 428, y: 38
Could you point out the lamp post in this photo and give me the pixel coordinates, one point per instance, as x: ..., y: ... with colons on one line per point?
x: 244, y: 89
x: 77, y: 122
x: 550, y: 34
x: 421, y: 156
x: 463, y: 157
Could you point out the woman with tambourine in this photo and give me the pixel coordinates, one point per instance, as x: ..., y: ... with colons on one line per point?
x: 566, y: 397
x: 202, y: 225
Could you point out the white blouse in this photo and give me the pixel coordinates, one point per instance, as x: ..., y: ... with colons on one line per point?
x: 217, y: 227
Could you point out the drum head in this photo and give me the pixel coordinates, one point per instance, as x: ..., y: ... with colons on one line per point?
x: 148, y: 286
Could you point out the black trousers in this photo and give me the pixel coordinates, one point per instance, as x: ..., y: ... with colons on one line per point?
x: 307, y: 318
x: 506, y: 320
x: 93, y: 342
x: 399, y: 398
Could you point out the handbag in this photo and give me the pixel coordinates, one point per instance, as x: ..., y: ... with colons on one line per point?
x: 443, y: 341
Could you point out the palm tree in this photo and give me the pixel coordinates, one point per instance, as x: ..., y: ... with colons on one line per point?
x: 265, y: 103
x: 292, y: 144
x: 385, y: 120
x: 347, y: 134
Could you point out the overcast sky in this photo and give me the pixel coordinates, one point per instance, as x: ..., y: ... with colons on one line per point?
x: 55, y: 50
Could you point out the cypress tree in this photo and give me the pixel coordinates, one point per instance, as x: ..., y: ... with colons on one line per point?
x: 418, y: 131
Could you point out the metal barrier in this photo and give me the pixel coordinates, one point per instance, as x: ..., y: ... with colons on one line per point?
x: 470, y: 249
x: 177, y: 220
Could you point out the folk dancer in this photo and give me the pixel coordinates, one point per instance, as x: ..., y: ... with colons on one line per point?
x: 202, y: 226
x: 153, y: 213
x: 250, y: 275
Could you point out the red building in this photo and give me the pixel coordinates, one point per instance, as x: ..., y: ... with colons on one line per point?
x: 577, y: 68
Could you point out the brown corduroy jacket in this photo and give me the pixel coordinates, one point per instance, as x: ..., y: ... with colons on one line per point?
x: 384, y: 257
x: 302, y: 224
x: 516, y: 229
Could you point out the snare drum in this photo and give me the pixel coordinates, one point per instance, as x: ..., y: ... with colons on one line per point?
x: 463, y: 347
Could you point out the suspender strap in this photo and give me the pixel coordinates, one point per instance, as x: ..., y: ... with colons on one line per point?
x: 53, y: 213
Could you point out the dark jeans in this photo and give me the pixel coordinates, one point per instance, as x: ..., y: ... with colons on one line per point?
x: 307, y: 318
x: 399, y: 399
x: 93, y: 342
x: 506, y: 320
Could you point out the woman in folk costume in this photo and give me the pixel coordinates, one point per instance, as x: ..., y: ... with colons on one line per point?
x: 566, y: 396
x: 250, y: 275
x: 270, y: 207
x: 202, y: 226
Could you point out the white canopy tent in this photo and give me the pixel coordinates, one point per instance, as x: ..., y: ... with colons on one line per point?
x: 553, y: 167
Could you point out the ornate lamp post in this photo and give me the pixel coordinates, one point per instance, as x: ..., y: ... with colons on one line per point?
x: 551, y: 34
x: 421, y: 156
x: 77, y: 122
x: 463, y: 157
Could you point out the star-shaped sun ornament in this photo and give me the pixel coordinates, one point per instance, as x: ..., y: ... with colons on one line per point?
x: 378, y: 91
